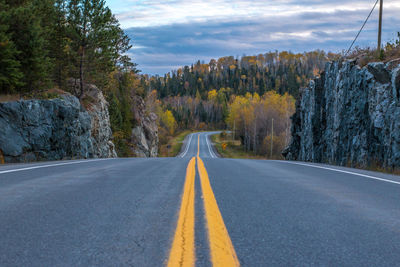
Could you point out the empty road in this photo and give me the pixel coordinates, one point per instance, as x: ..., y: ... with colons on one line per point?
x: 197, y: 209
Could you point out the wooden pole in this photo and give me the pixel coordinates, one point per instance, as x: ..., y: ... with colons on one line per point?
x: 272, y: 137
x: 234, y: 129
x: 380, y: 27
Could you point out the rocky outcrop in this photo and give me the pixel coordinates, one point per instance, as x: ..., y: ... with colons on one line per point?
x: 101, y: 133
x: 33, y: 130
x: 145, y: 134
x: 349, y: 116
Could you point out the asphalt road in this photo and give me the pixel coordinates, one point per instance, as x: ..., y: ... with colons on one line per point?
x: 124, y: 212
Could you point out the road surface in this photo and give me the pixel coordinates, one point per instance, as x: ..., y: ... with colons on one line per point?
x: 197, y: 209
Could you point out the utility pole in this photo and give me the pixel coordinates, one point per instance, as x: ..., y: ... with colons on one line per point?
x: 234, y: 129
x: 380, y: 27
x: 272, y: 137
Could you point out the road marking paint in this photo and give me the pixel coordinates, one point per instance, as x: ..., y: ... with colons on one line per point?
x: 221, y: 247
x: 343, y: 171
x: 187, y: 146
x: 182, y: 251
x: 209, y: 148
x: 198, y: 145
x: 51, y: 165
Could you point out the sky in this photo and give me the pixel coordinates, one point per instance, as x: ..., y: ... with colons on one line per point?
x: 168, y: 34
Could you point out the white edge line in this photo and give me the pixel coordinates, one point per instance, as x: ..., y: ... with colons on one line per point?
x: 181, y: 153
x: 348, y: 172
x: 209, y: 149
x: 212, y: 149
x: 187, y: 146
x: 52, y: 165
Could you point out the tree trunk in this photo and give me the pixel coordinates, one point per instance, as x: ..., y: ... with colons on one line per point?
x: 81, y: 72
x: 255, y: 136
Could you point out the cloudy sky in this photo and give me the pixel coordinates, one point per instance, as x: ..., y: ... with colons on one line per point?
x: 168, y: 34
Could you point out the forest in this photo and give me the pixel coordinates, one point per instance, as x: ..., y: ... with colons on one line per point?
x: 243, y: 95
x: 46, y: 42
x: 284, y: 72
x: 49, y: 44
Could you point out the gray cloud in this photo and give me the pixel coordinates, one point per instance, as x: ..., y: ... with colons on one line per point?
x: 160, y: 48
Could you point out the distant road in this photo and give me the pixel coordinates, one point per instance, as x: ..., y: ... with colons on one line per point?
x: 197, y: 209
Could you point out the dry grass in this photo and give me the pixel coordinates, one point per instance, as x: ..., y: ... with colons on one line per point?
x: 368, y: 55
x: 9, y: 98
x: 373, y: 165
x: 46, y: 94
x: 391, y: 51
x: 173, y: 146
x: 1, y: 157
x: 234, y: 148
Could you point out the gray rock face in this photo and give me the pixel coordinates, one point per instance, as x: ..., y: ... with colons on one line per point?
x: 145, y: 135
x: 349, y: 116
x: 55, y: 129
x: 101, y: 132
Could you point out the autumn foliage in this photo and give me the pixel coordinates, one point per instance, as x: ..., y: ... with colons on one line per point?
x: 284, y: 72
x: 261, y: 122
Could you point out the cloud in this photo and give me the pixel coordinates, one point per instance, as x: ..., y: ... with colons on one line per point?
x: 172, y: 33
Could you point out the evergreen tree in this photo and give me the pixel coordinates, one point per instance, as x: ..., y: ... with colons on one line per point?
x: 60, y: 43
x: 10, y: 73
x: 29, y: 37
x: 97, y: 41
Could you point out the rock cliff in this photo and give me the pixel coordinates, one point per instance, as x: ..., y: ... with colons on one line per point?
x: 349, y: 116
x: 61, y: 128
x: 145, y: 134
x: 101, y: 133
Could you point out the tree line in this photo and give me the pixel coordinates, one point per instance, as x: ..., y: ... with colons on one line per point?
x: 67, y: 44
x: 284, y: 72
x: 45, y: 43
x: 262, y: 123
x: 243, y: 94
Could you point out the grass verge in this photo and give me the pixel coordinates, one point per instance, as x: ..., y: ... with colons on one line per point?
x: 174, y: 145
x: 233, y: 148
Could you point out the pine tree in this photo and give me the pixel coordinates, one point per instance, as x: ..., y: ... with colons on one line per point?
x: 29, y: 37
x: 96, y: 39
x: 59, y: 43
x: 10, y: 73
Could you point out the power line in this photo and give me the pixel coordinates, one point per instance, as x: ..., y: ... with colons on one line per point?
x: 362, y: 27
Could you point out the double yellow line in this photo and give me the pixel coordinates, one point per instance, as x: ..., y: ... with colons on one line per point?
x: 183, y: 250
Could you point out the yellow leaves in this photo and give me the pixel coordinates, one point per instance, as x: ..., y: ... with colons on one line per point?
x: 244, y: 110
x: 4, y: 44
x: 251, y: 116
x: 118, y: 135
x: 168, y: 121
x: 1, y: 157
x: 252, y: 61
x: 212, y: 95
x: 198, y: 96
x: 298, y: 80
x: 316, y: 71
x: 256, y: 97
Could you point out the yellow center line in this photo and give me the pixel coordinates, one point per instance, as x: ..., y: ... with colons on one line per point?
x: 198, y: 145
x: 221, y: 248
x: 182, y: 251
